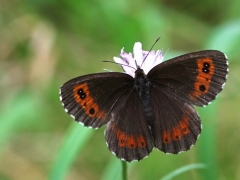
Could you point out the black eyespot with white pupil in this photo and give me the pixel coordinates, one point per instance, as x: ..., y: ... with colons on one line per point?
x: 81, y: 93
x: 206, y: 67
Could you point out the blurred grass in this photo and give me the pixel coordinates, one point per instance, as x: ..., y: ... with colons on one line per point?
x: 45, y: 43
x: 72, y: 146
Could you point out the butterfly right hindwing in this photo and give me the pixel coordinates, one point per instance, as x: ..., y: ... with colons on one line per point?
x: 176, y: 125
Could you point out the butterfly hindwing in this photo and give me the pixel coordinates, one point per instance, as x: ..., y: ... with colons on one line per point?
x: 176, y: 124
x: 90, y: 99
x: 127, y: 134
x: 195, y: 78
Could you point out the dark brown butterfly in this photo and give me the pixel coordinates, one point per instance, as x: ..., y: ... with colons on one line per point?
x: 151, y: 107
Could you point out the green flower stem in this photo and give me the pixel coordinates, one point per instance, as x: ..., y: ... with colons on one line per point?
x: 124, y: 170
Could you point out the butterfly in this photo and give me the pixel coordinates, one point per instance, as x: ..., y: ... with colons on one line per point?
x: 150, y: 105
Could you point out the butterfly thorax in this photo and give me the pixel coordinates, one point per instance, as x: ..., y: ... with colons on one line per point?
x: 142, y: 86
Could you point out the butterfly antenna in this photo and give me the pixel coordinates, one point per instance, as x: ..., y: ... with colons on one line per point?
x: 136, y: 63
x: 150, y: 50
x: 119, y: 64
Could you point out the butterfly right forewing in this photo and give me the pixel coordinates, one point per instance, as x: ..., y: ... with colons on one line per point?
x: 195, y: 78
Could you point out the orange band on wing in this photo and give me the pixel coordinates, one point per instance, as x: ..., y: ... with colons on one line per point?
x: 206, y: 70
x: 177, y: 132
x: 166, y: 137
x: 86, y: 101
x: 130, y: 141
x: 184, y: 125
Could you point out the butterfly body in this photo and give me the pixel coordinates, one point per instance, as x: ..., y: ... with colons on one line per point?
x: 142, y: 85
x: 153, y: 109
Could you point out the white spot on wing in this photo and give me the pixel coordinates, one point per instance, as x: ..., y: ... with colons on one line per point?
x: 80, y: 123
x: 223, y: 84
x: 106, y: 143
x: 123, y: 159
x: 145, y: 157
x: 226, y: 56
x: 210, y: 102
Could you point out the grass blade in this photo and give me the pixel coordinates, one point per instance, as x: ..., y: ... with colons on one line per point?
x: 182, y: 170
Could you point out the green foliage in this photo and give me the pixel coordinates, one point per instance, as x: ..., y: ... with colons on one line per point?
x: 71, y: 147
x: 45, y: 43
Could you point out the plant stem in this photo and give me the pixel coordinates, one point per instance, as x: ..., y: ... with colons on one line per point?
x: 124, y: 170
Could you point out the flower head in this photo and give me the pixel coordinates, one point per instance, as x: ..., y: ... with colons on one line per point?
x: 140, y: 58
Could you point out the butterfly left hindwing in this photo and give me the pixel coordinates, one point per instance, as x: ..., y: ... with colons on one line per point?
x: 128, y: 135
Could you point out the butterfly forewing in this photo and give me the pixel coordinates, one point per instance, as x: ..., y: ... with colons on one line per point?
x: 90, y: 99
x: 195, y: 78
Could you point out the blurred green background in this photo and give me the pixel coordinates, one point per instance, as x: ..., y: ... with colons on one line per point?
x: 45, y: 43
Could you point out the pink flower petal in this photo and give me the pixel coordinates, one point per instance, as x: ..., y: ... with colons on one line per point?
x: 142, y: 59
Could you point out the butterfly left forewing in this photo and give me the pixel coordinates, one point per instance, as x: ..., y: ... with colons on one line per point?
x: 195, y: 78
x: 90, y: 99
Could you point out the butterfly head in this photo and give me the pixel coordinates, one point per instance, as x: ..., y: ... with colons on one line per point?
x: 139, y: 59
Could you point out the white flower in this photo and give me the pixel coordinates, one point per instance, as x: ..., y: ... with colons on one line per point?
x: 139, y: 60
